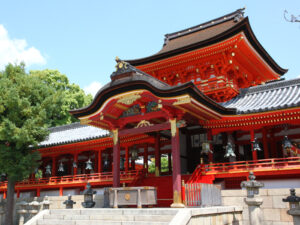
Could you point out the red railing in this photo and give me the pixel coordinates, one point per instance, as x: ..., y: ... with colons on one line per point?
x: 129, y: 176
x: 222, y: 169
x: 254, y: 165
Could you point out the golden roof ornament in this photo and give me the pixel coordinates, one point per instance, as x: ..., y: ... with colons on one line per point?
x: 120, y: 64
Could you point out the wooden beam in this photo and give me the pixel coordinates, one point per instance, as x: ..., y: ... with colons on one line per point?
x: 142, y: 130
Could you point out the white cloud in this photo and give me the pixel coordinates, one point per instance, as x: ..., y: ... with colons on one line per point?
x: 17, y: 50
x: 92, y: 88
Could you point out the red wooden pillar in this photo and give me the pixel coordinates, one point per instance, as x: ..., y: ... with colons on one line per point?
x: 116, y: 159
x: 38, y: 192
x: 4, y: 194
x: 18, y: 193
x: 126, y: 158
x: 177, y: 201
x: 61, y: 191
x: 53, y: 172
x: 209, y: 138
x: 252, y: 136
x: 273, y: 145
x: 265, y: 143
x: 157, y: 155
x: 75, y: 159
x: 99, y: 161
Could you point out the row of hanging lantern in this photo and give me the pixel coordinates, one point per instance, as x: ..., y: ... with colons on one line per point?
x: 229, y: 152
x: 89, y: 166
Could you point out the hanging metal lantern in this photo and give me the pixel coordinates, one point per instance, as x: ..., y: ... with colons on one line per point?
x: 206, y: 148
x: 74, y: 164
x: 256, y: 145
x: 48, y: 170
x: 61, y: 167
x: 286, y: 144
x: 229, y: 151
x: 89, y: 165
x: 134, y: 153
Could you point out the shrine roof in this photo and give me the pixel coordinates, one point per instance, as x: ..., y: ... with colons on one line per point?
x: 71, y: 133
x: 273, y: 96
x: 206, y: 34
x: 128, y: 78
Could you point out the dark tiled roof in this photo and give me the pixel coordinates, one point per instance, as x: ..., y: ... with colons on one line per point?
x: 210, y: 27
x: 272, y: 96
x: 208, y: 34
x: 74, y: 132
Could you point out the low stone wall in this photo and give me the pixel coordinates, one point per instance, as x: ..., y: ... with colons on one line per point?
x: 56, y: 203
x: 274, y: 209
x: 215, y: 215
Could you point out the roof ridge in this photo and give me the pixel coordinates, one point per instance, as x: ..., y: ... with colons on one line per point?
x: 124, y: 67
x: 66, y: 127
x: 271, y: 86
x: 236, y: 15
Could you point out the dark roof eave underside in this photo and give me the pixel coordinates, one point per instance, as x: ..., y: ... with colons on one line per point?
x: 187, y: 88
x: 241, y: 26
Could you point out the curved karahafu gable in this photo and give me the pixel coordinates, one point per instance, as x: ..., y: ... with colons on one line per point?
x: 128, y: 79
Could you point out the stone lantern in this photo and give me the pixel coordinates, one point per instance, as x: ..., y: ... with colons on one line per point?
x: 88, y: 197
x: 34, y: 206
x: 252, y: 187
x: 46, y: 203
x: 22, y: 211
x: 294, y: 210
x: 69, y: 203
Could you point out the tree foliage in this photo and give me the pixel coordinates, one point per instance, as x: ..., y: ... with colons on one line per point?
x: 164, y: 165
x: 29, y: 104
x: 70, y: 95
x: 25, y: 103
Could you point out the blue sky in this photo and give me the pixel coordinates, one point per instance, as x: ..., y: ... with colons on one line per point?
x: 82, y: 38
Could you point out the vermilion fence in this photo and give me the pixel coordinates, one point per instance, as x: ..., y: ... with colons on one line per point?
x: 198, y: 194
x: 221, y: 169
x: 128, y: 176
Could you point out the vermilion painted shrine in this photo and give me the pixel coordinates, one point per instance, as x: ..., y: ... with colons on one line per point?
x: 212, y: 101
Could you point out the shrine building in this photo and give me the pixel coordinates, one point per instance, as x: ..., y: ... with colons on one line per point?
x: 212, y: 104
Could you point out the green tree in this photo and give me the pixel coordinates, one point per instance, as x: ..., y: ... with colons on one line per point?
x: 71, y: 96
x: 26, y: 104
x: 164, y: 165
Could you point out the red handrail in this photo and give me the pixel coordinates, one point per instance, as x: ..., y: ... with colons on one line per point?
x: 254, y: 165
x: 241, y: 166
x: 131, y: 175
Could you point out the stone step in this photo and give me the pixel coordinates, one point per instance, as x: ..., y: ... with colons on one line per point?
x: 153, y: 218
x: 96, y: 222
x: 163, y: 211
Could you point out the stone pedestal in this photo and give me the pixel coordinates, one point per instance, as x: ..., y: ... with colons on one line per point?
x: 255, y: 212
x: 296, y: 215
x: 252, y: 186
x: 22, y: 211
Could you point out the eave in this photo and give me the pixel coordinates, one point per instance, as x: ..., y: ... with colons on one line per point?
x: 242, y: 26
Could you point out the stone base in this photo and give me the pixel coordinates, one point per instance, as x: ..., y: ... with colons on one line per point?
x: 177, y: 205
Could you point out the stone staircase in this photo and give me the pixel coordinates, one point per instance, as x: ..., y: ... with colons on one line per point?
x: 104, y: 216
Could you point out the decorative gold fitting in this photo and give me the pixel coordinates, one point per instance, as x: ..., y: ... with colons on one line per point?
x: 129, y: 99
x: 115, y: 136
x: 173, y: 127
